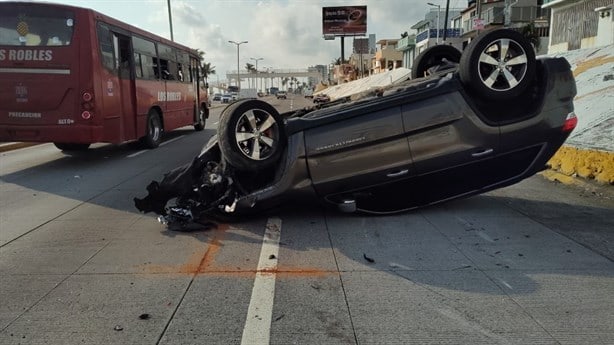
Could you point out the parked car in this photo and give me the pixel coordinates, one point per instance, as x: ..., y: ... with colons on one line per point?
x: 491, y: 120
x: 282, y: 94
x: 217, y: 97
x: 321, y: 98
x: 226, y: 98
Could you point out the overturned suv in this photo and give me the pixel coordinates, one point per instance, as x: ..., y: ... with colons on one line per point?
x: 464, y: 124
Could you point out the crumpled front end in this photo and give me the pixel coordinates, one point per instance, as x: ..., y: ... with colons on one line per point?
x: 205, y: 186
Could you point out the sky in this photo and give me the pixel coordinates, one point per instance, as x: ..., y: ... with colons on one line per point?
x: 285, y: 34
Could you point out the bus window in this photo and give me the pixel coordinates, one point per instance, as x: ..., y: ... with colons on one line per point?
x: 25, y: 25
x: 144, y: 56
x: 105, y: 41
x: 182, y: 67
x: 124, y: 56
x: 165, y: 56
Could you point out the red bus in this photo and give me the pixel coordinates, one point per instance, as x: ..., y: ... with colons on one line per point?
x: 73, y: 77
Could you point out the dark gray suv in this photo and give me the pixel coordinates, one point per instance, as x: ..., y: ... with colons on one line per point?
x: 485, y: 119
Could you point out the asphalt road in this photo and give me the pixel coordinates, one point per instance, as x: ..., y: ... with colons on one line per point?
x: 528, y: 264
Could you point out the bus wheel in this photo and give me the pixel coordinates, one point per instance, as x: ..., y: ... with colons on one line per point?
x: 71, y: 146
x: 154, y: 131
x: 200, y: 124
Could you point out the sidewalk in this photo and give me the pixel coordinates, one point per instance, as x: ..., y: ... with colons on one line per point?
x: 589, y: 151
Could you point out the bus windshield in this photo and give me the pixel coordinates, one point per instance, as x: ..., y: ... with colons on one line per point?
x: 27, y: 25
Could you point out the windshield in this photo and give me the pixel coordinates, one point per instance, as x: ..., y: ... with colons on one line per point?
x: 30, y: 25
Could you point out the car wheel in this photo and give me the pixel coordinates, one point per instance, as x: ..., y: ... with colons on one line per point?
x: 498, y: 65
x: 251, y: 135
x: 154, y: 130
x: 432, y: 57
x: 71, y: 146
x: 200, y: 125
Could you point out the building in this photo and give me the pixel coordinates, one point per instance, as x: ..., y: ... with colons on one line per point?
x: 579, y: 24
x: 387, y: 57
x: 514, y: 14
x: 407, y: 47
x: 430, y: 31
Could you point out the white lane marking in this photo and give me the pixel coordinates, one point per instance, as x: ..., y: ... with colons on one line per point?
x: 170, y: 141
x: 257, y: 328
x: 162, y: 144
x: 137, y: 153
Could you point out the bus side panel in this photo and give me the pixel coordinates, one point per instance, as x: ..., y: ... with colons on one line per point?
x: 179, y: 105
x: 148, y: 95
x: 111, y: 109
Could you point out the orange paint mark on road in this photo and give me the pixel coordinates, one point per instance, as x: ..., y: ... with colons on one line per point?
x: 198, y: 261
x: 204, y: 263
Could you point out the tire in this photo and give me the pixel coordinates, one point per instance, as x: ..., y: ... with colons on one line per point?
x: 432, y: 57
x: 202, y: 119
x: 483, y: 69
x: 71, y: 146
x: 251, y: 135
x: 153, y: 137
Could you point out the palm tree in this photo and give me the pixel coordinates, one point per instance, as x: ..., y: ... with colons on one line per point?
x: 207, y: 70
x: 205, y: 67
x: 284, y: 81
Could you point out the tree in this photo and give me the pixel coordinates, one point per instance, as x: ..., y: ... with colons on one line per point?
x: 405, y: 34
x: 250, y: 68
x: 530, y: 33
x: 339, y: 62
x: 205, y: 68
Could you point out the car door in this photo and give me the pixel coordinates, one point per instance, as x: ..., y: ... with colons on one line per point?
x: 365, y: 146
x: 450, y: 146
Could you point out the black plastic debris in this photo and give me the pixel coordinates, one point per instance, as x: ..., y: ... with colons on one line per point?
x: 368, y: 258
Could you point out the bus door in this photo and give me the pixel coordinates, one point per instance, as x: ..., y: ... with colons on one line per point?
x: 127, y: 89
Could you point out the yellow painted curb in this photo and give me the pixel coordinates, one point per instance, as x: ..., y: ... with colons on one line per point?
x: 15, y: 146
x: 589, y: 164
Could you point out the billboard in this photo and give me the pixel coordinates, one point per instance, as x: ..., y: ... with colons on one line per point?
x: 344, y: 21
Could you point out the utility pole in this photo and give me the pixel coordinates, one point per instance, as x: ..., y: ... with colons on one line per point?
x: 445, y: 21
x: 478, y: 11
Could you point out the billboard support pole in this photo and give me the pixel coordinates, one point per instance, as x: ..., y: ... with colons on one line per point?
x: 342, y: 50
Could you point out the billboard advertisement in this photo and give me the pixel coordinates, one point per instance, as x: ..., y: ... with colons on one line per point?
x: 344, y: 21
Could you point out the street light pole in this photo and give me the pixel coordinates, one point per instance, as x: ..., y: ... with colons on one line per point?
x: 257, y: 70
x: 170, y: 18
x: 238, y: 78
x: 438, y: 11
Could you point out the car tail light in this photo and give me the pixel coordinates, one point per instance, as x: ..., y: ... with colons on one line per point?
x: 570, y: 122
